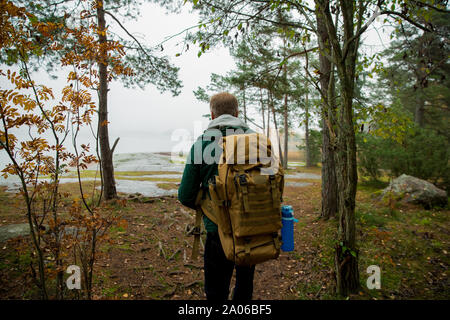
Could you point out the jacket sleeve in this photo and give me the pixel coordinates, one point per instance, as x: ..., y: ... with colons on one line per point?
x: 191, y: 180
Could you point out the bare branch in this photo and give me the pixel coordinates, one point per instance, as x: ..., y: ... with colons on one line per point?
x: 127, y: 32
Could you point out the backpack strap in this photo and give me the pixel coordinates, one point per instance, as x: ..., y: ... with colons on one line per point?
x: 273, y: 190
x: 242, y: 181
x: 276, y: 241
x: 197, y: 225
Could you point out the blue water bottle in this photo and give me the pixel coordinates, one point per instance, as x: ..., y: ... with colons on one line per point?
x: 287, y: 231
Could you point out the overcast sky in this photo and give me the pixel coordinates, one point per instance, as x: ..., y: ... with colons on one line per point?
x: 146, y: 120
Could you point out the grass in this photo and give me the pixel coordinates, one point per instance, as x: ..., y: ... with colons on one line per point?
x: 167, y: 186
x: 110, y: 292
x: 408, y: 244
x: 148, y: 179
x: 117, y: 174
x: 368, y: 217
x: 372, y: 185
x: 144, y: 173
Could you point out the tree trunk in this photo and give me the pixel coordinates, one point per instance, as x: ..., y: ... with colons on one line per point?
x: 245, y: 106
x: 268, y: 113
x: 346, y: 258
x: 421, y: 75
x: 285, y: 116
x: 329, y: 183
x: 109, y: 185
x: 262, y: 110
x: 346, y: 253
x: 276, y: 127
x: 419, y: 109
x: 307, y: 142
x: 286, y: 132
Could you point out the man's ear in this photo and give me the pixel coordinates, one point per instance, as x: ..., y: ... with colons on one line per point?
x: 212, y: 116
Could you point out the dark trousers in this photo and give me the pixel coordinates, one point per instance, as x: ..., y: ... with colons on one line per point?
x: 219, y: 270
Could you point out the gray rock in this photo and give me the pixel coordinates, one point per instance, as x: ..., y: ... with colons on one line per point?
x: 410, y: 189
x: 13, y: 231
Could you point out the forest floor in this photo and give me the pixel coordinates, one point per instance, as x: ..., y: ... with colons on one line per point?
x: 150, y: 255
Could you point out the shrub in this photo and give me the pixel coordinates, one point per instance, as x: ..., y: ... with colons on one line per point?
x: 422, y: 154
x: 315, y: 145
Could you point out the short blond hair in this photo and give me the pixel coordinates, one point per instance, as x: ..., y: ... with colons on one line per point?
x: 223, y: 103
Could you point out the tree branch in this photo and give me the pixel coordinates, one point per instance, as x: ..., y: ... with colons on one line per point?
x: 129, y: 34
x: 403, y: 16
x: 359, y: 32
x: 424, y: 4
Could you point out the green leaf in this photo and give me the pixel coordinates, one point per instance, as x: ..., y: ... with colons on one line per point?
x: 33, y: 19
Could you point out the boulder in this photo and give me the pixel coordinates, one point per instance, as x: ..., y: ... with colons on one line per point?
x: 13, y: 231
x: 410, y: 189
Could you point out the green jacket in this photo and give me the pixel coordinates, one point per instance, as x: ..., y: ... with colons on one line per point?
x: 201, y: 163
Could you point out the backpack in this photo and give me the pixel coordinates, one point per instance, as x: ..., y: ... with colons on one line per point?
x: 245, y: 199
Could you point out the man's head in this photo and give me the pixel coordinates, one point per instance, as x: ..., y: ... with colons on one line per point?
x: 223, y: 103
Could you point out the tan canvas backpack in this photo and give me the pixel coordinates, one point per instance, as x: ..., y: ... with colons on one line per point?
x: 245, y: 198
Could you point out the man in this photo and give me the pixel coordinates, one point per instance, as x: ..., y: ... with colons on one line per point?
x: 199, y: 169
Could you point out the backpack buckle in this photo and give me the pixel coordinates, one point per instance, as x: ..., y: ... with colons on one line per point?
x: 195, y: 231
x: 242, y: 179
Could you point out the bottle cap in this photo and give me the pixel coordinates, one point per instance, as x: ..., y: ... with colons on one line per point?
x: 286, y: 211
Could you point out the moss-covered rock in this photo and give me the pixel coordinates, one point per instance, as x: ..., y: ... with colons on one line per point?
x: 410, y: 189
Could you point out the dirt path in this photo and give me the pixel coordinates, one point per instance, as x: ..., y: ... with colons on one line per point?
x: 151, y: 257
